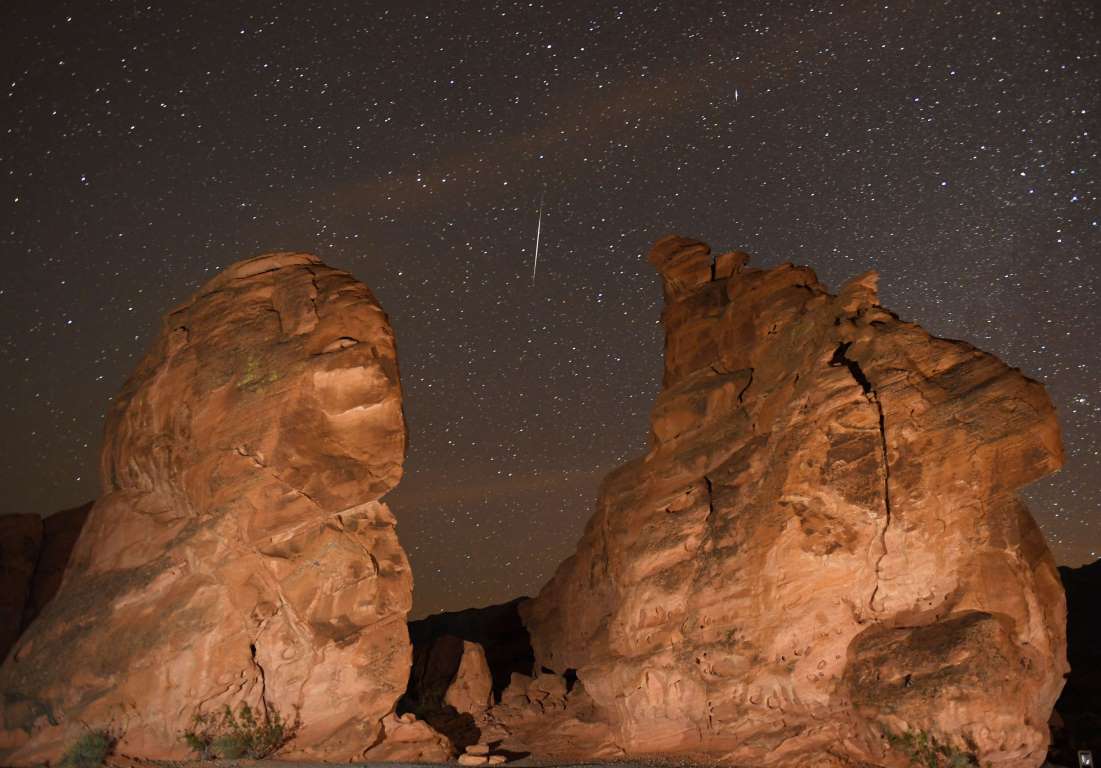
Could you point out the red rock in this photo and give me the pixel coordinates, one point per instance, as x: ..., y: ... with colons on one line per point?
x: 823, y: 543
x: 548, y: 691
x: 517, y: 690
x: 20, y: 541
x: 60, y: 532
x: 409, y: 740
x: 240, y: 552
x: 471, y: 690
x: 497, y: 628
x: 570, y: 730
x: 449, y: 682
x: 33, y: 555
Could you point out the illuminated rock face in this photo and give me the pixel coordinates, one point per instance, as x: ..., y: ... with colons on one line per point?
x: 823, y: 544
x: 240, y: 552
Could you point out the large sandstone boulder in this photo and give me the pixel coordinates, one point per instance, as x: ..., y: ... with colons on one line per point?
x: 823, y: 554
x: 240, y: 553
x: 471, y: 691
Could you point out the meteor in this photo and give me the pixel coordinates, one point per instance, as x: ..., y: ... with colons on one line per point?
x: 538, y: 231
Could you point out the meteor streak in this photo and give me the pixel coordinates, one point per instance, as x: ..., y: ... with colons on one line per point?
x: 538, y: 231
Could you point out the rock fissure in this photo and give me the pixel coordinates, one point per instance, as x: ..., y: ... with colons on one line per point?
x: 840, y: 359
x: 244, y: 451
x: 263, y: 680
x: 872, y: 395
x: 710, y: 501
x: 748, y: 384
x: 808, y: 511
x: 314, y: 293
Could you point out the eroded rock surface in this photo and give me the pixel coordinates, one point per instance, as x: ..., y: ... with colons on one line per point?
x: 405, y: 739
x: 20, y: 541
x: 455, y: 676
x: 34, y: 552
x: 60, y: 532
x: 240, y: 552
x: 823, y: 544
x: 471, y: 691
x: 496, y: 628
x: 549, y: 719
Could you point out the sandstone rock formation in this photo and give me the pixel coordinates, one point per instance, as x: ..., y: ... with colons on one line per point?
x: 471, y: 691
x: 240, y: 552
x: 60, y: 532
x: 462, y: 661
x: 405, y: 739
x: 544, y: 716
x: 449, y: 684
x: 33, y: 554
x: 20, y: 540
x: 539, y: 714
x: 823, y: 544
x: 496, y: 628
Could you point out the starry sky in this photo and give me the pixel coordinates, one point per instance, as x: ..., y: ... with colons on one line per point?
x: 951, y: 145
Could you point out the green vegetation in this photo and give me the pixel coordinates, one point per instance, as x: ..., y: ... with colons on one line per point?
x: 234, y: 736
x: 925, y: 751
x: 89, y: 751
x: 252, y: 373
x: 255, y: 373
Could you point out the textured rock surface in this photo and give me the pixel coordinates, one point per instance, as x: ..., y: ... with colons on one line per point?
x: 20, y: 541
x: 449, y: 684
x: 548, y: 719
x: 33, y: 555
x: 824, y: 542
x: 60, y: 532
x: 409, y: 740
x: 539, y: 715
x: 239, y: 553
x: 471, y: 691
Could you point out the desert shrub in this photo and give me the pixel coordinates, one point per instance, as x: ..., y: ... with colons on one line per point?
x: 241, y: 735
x: 925, y: 751
x: 88, y: 751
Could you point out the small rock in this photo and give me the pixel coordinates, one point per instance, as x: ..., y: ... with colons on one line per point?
x: 478, y: 749
x: 473, y: 760
x: 495, y: 759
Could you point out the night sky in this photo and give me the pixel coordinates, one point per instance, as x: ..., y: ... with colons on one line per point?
x: 951, y: 145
